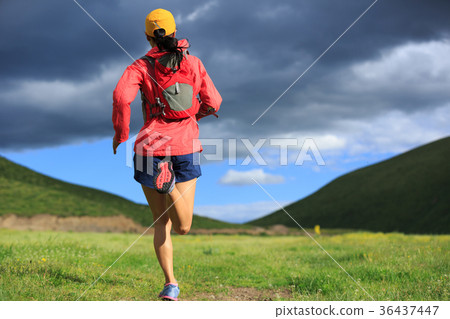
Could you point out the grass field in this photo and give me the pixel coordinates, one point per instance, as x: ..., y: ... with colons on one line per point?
x: 60, y: 266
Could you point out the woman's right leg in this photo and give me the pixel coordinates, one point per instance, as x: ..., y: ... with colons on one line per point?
x: 161, y: 238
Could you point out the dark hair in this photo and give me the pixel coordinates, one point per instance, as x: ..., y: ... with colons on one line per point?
x: 168, y: 43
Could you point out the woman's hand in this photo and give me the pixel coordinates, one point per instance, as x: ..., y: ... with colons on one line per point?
x: 210, y: 111
x: 115, y: 145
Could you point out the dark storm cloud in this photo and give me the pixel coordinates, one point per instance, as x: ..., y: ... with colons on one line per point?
x: 253, y: 50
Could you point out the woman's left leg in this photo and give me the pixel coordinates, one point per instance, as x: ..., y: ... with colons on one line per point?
x: 161, y: 238
x: 181, y: 213
x: 180, y: 204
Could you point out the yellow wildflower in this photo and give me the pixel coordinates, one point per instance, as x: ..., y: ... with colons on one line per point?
x: 317, y: 229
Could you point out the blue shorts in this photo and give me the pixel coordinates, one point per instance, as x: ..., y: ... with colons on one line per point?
x: 185, y: 167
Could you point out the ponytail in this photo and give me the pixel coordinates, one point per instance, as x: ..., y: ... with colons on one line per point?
x: 169, y: 44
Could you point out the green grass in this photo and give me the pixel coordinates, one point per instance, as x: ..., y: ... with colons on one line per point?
x: 408, y: 193
x: 27, y: 193
x: 60, y: 266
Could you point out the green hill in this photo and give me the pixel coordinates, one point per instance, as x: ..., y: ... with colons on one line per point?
x: 408, y: 193
x: 25, y: 192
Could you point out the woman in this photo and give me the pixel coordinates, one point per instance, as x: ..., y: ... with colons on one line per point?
x: 166, y: 160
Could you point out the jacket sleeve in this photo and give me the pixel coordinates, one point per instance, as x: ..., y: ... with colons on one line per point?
x: 124, y: 93
x: 209, y: 95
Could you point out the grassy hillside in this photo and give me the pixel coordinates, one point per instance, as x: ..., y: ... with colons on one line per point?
x: 408, y: 193
x: 27, y: 193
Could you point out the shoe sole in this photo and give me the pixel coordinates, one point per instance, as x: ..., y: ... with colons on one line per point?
x: 167, y: 298
x: 164, y: 177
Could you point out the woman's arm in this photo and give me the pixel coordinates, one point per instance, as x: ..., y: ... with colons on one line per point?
x: 124, y: 93
x: 209, y: 95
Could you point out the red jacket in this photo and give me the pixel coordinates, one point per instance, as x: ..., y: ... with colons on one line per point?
x: 160, y: 136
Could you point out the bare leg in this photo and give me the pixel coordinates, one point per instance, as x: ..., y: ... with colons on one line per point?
x: 182, y: 197
x: 180, y: 214
x: 161, y: 238
x: 175, y: 209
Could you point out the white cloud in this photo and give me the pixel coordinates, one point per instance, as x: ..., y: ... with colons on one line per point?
x: 198, y: 12
x: 388, y: 104
x: 397, y: 132
x: 412, y: 67
x: 233, y: 177
x: 329, y: 142
x: 238, y: 213
x: 394, y: 131
x: 62, y: 95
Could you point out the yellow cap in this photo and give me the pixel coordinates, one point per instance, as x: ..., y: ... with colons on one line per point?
x: 159, y: 19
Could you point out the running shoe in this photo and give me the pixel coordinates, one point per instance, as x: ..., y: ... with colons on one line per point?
x: 170, y: 292
x: 164, y: 180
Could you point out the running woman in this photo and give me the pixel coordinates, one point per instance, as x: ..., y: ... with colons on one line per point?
x: 167, y: 149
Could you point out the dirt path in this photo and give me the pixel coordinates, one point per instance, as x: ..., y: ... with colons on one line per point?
x: 113, y: 224
x: 119, y: 224
x: 245, y: 294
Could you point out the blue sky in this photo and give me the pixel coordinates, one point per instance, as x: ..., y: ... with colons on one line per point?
x: 382, y: 89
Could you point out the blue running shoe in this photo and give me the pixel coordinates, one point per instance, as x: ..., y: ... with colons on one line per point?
x: 170, y: 292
